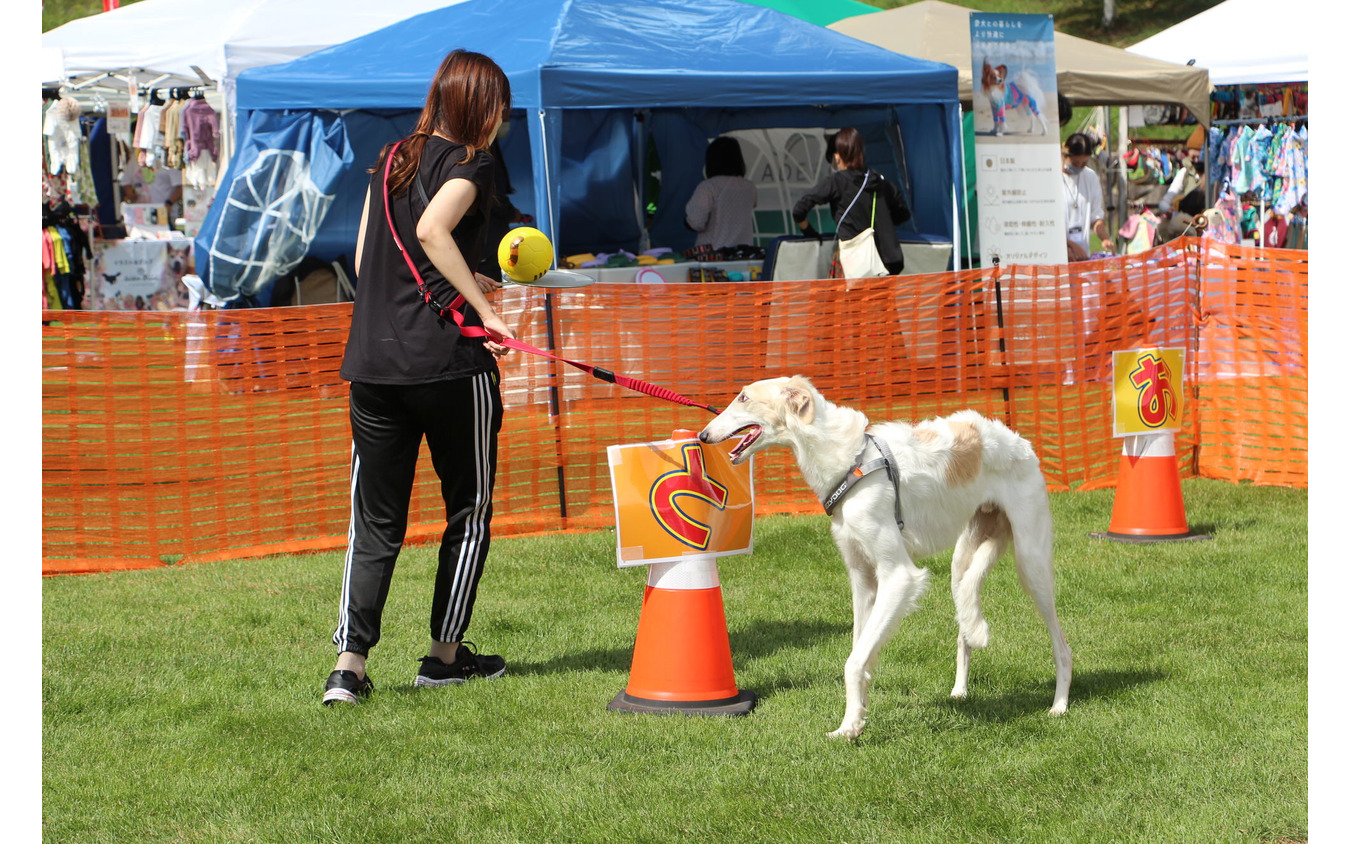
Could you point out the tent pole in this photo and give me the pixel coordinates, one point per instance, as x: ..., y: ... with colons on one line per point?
x: 965, y: 193
x: 548, y: 184
x: 640, y: 166
x: 1123, y: 189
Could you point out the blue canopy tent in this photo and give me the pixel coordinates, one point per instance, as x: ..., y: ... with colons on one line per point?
x: 593, y: 82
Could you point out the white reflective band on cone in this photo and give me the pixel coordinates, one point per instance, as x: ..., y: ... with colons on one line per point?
x: 1149, y: 445
x: 691, y: 573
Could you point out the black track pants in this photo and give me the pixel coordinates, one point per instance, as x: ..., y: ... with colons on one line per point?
x: 460, y: 420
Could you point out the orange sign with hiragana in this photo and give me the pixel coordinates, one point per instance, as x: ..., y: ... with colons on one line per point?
x: 680, y: 498
x: 1148, y: 391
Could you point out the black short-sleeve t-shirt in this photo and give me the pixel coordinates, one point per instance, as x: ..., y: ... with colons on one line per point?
x: 395, y: 336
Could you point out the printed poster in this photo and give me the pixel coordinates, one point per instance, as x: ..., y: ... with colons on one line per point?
x: 1148, y: 395
x: 680, y: 498
x: 139, y: 275
x: 1018, y: 181
x: 196, y: 202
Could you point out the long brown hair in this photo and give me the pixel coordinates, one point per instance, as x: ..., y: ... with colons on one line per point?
x: 467, y: 95
x: 848, y: 144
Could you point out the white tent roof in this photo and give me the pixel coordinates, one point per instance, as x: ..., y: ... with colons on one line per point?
x: 1241, y: 41
x: 221, y: 38
x: 1088, y: 73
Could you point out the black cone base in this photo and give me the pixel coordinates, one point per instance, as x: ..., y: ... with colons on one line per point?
x: 741, y: 704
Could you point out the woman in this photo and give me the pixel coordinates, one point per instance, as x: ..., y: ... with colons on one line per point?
x: 414, y: 373
x: 1083, y: 209
x: 721, y: 208
x: 853, y: 192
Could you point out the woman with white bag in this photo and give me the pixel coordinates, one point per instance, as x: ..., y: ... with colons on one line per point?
x: 866, y: 208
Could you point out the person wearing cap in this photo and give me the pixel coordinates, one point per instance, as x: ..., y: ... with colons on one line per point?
x: 1083, y: 207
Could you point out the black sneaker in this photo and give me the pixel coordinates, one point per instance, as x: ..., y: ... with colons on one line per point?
x: 468, y: 664
x: 346, y: 687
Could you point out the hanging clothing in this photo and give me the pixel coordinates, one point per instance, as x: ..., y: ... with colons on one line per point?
x: 101, y: 168
x: 1225, y: 220
x: 148, y: 139
x: 200, y: 127
x: 1140, y: 232
x: 61, y: 126
x: 169, y: 125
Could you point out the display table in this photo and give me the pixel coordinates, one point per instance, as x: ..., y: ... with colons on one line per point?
x: 672, y: 273
x: 923, y: 254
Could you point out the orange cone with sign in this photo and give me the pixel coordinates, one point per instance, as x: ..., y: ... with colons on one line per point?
x: 1148, y: 505
x: 682, y: 658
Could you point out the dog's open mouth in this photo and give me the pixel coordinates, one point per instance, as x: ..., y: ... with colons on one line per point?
x: 752, y: 433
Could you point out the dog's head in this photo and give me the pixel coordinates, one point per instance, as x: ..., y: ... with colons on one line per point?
x: 766, y: 412
x: 992, y: 76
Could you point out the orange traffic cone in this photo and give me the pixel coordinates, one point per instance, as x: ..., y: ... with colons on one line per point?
x: 1148, y: 505
x: 682, y: 658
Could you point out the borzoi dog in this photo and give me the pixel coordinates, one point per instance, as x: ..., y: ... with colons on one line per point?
x: 962, y: 480
x: 1003, y: 94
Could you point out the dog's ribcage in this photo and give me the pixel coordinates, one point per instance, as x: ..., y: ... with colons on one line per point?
x: 937, y: 498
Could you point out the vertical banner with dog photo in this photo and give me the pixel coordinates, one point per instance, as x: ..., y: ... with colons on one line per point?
x: 1018, y: 171
x: 678, y: 499
x: 1148, y: 394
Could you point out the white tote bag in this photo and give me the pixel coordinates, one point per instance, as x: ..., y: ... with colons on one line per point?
x: 858, y: 256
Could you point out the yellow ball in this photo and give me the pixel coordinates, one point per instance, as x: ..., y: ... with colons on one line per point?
x: 525, y: 254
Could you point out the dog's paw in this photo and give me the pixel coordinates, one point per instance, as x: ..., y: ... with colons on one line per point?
x: 959, y: 693
x: 848, y: 731
x: 1059, y: 709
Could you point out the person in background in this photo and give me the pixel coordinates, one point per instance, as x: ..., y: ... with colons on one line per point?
x: 503, y: 212
x: 414, y: 373
x: 1184, y: 201
x: 721, y: 209
x: 852, y: 204
x: 1083, y: 206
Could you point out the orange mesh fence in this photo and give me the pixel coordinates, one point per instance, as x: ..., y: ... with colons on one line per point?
x: 1252, y: 368
x: 178, y: 436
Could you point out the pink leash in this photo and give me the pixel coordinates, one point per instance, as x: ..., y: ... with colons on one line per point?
x: 454, y: 310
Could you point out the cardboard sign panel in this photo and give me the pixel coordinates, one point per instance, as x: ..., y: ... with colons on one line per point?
x: 680, y: 498
x: 1148, y: 397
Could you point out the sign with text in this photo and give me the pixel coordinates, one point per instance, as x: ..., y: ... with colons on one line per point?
x: 1148, y: 394
x: 680, y: 498
x: 1018, y: 170
x: 119, y: 121
x: 139, y: 275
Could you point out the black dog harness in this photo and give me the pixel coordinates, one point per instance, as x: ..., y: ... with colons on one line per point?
x: 885, y: 461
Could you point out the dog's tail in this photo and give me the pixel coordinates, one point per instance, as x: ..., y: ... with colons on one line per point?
x: 1031, y: 86
x: 989, y: 546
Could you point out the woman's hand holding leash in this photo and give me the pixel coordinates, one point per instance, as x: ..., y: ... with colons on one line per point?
x: 497, y: 330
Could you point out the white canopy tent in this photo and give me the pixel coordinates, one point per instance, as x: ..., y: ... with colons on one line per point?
x: 178, y: 42
x: 1240, y: 42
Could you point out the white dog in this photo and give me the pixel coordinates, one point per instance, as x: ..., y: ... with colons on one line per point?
x: 963, y: 480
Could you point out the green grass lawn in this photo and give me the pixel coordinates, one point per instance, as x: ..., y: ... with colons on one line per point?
x: 182, y: 704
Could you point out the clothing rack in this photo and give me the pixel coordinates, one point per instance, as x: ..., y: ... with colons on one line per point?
x: 1253, y: 121
x: 1213, y: 194
x: 192, y: 92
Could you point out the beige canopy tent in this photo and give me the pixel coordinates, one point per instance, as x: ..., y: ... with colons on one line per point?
x: 1089, y: 73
